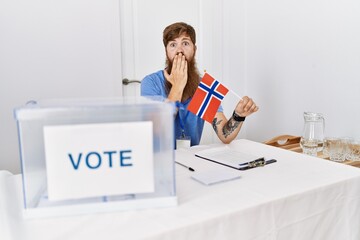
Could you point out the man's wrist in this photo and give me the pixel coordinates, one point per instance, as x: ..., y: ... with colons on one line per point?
x: 237, y: 117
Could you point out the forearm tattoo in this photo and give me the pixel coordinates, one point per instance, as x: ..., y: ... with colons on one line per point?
x: 214, y: 125
x: 228, y: 128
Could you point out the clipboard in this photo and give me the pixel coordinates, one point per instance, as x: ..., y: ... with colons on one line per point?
x: 232, y: 158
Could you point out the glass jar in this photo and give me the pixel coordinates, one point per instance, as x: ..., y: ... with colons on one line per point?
x: 312, y: 138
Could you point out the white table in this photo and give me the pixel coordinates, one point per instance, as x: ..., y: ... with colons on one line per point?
x: 299, y: 197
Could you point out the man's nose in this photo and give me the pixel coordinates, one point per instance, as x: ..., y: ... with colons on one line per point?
x: 179, y: 49
x: 178, y: 52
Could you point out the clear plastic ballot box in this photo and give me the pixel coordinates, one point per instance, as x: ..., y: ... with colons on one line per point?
x: 96, y: 155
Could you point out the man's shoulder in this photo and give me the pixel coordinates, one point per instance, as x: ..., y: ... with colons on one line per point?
x: 153, y: 84
x: 156, y: 76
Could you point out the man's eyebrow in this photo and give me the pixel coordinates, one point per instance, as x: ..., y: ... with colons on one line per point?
x: 182, y: 39
x: 186, y: 38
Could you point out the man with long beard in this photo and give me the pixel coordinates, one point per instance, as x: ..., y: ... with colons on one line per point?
x: 178, y: 83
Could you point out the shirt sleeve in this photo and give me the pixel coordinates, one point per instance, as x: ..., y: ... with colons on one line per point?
x: 151, y: 86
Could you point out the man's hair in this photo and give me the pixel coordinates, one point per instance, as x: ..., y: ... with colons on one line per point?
x: 175, y: 30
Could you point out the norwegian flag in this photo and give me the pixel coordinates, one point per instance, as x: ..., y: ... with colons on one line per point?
x: 207, y: 98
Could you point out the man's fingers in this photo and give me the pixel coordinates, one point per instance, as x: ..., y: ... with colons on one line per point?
x: 178, y: 74
x: 179, y: 68
x: 182, y: 63
x: 176, y: 62
x: 247, y: 103
x: 167, y: 76
x: 253, y: 108
x: 186, y: 67
x: 246, y: 106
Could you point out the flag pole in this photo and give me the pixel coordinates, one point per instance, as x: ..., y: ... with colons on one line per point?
x: 234, y: 93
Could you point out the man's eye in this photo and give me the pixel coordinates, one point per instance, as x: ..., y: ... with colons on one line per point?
x: 172, y: 44
x: 186, y: 43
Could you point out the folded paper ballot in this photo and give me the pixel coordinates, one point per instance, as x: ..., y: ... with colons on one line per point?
x: 215, y: 176
x: 229, y: 157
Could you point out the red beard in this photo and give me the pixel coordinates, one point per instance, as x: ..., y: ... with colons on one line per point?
x: 192, y: 82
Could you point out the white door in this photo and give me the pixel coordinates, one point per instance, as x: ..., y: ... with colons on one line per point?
x: 142, y: 24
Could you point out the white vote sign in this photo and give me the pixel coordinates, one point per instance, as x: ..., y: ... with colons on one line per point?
x: 93, y: 160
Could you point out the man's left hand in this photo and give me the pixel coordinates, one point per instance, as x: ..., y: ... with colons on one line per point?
x: 245, y: 107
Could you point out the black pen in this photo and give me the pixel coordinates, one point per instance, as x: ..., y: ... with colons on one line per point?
x: 190, y: 168
x: 270, y: 161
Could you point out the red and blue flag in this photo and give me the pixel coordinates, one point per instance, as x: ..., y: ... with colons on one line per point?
x: 207, y: 98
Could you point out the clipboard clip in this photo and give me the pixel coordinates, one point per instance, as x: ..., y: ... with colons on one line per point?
x: 256, y: 163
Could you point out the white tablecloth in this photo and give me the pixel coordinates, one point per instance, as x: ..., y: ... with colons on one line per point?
x: 299, y: 197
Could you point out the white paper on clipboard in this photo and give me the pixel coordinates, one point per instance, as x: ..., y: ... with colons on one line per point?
x: 227, y: 156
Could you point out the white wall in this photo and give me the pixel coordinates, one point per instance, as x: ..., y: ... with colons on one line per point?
x: 290, y: 56
x: 54, y: 49
x: 299, y: 56
x: 234, y: 57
